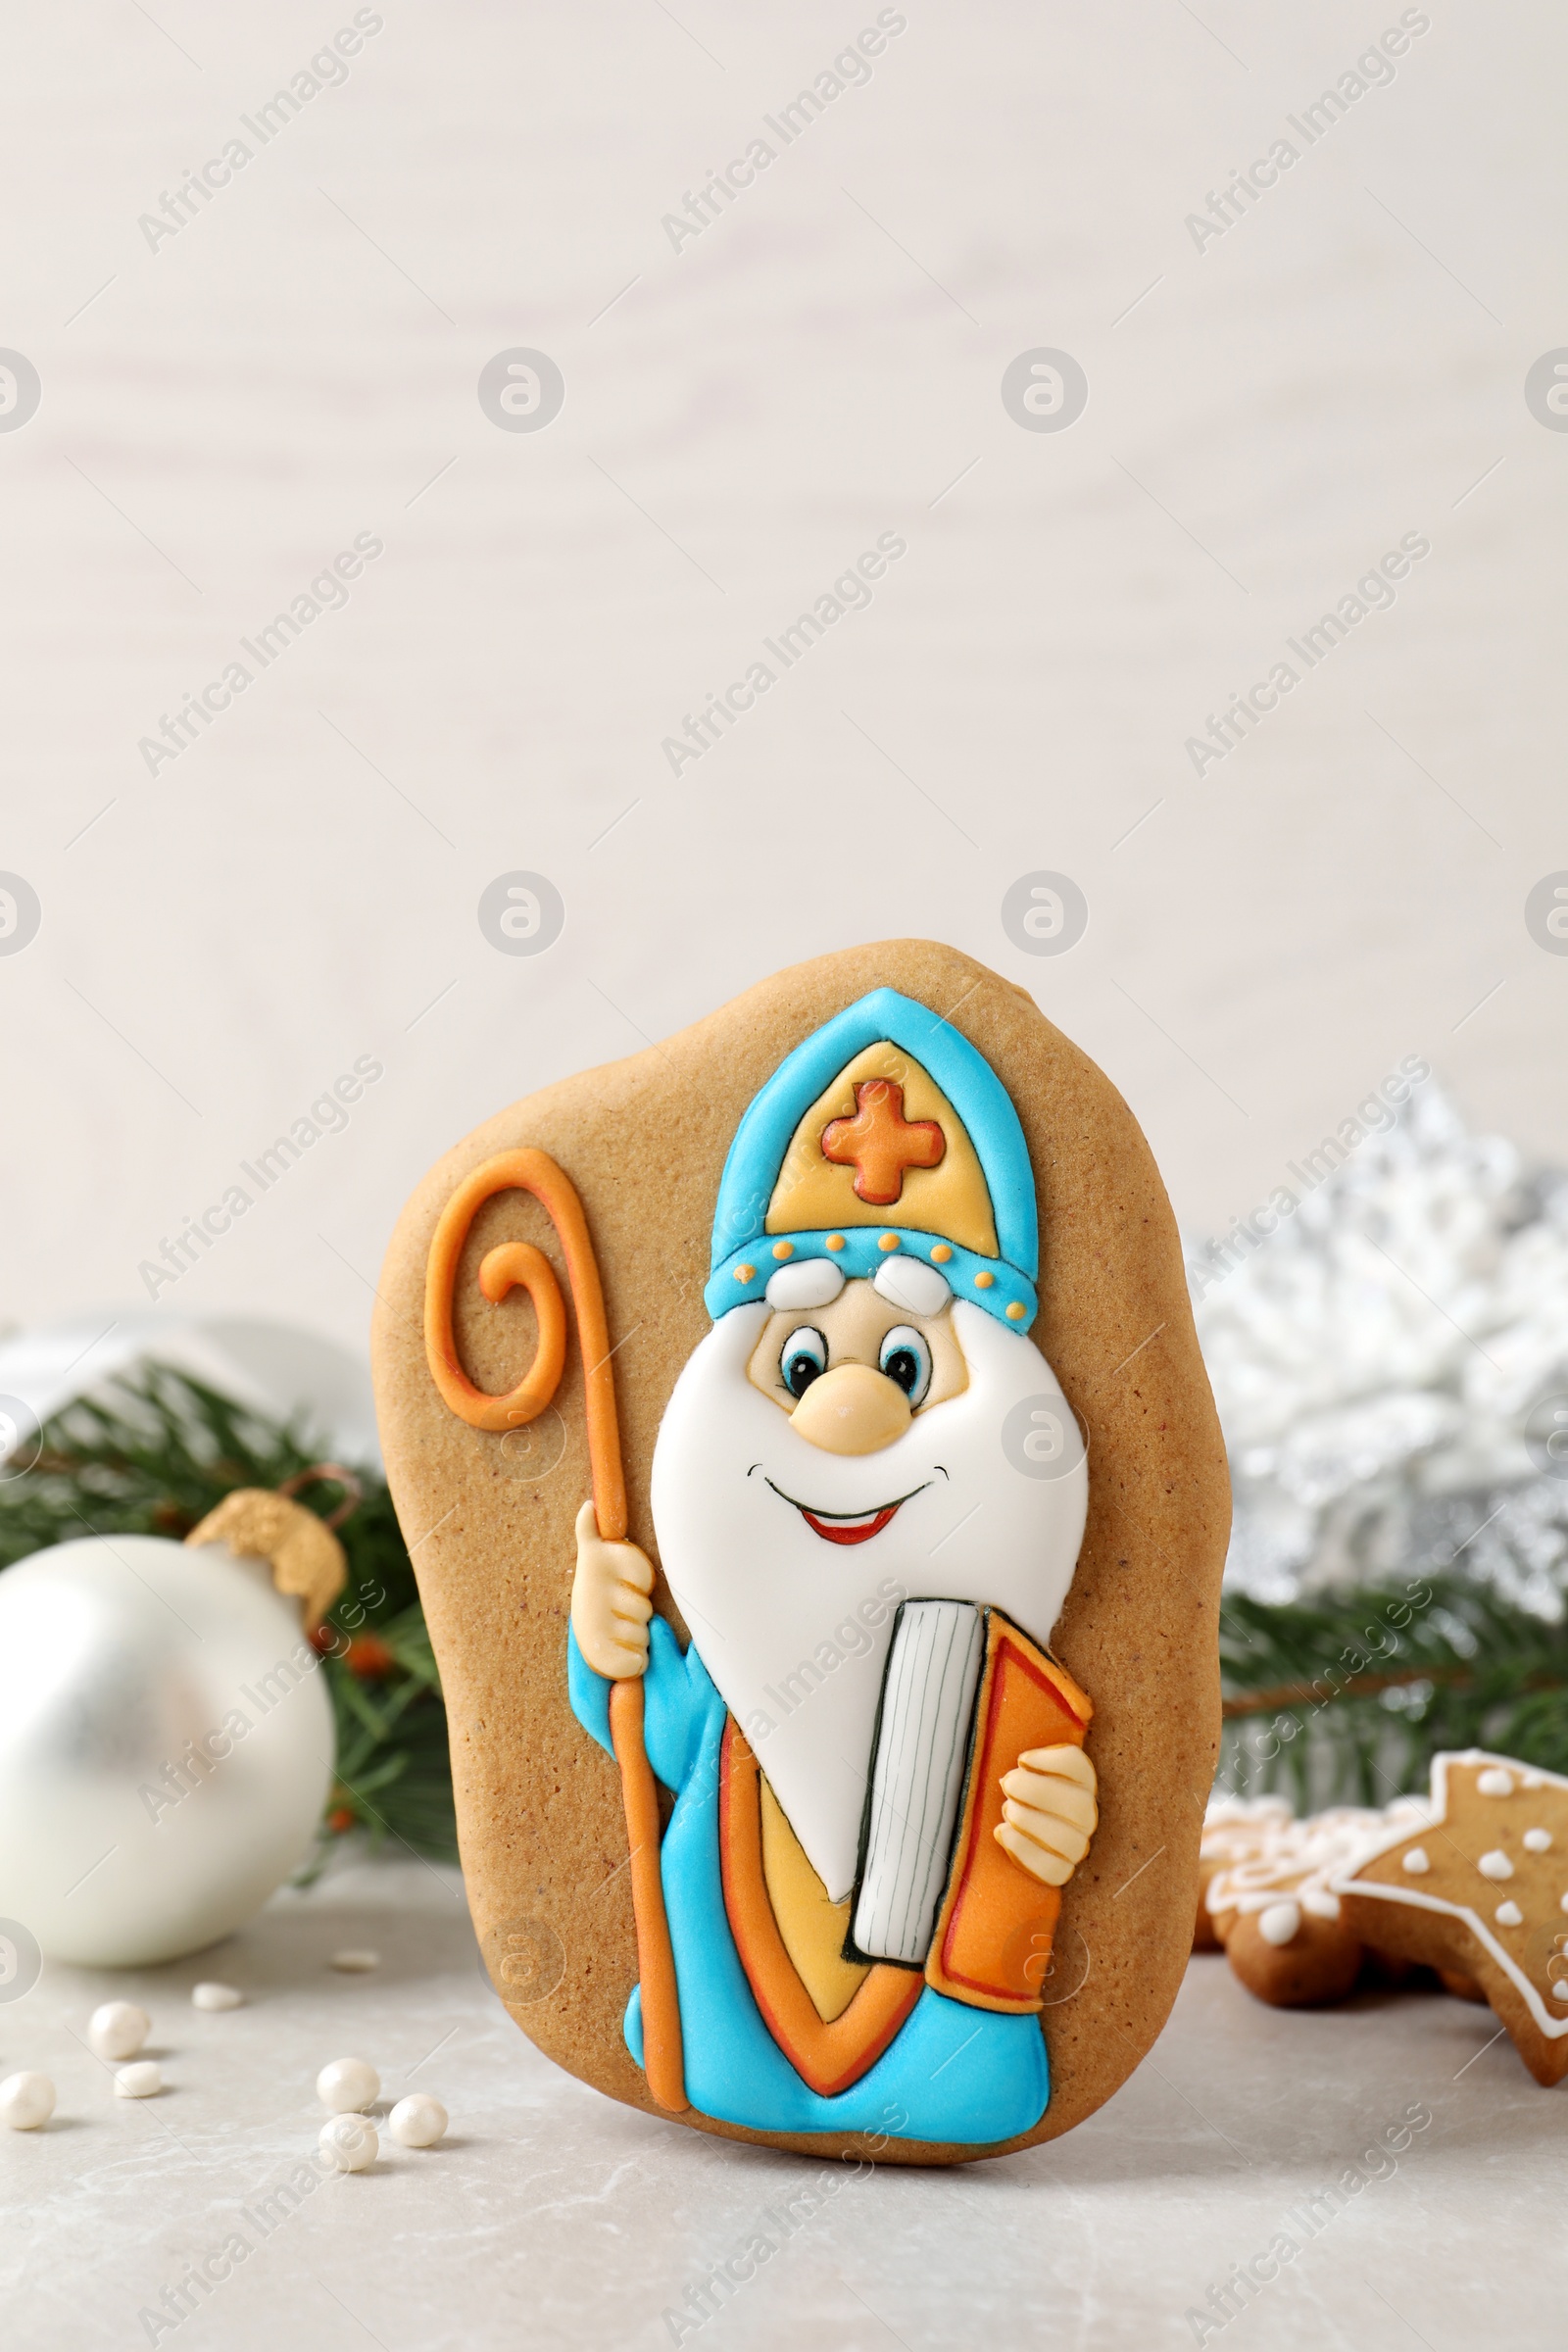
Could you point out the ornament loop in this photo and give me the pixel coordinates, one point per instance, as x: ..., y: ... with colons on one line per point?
x: 333, y: 1474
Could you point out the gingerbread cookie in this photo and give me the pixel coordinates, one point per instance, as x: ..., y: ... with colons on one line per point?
x: 845, y: 1561
x: 1235, y: 1829
x: 1475, y: 1883
x: 1276, y: 1914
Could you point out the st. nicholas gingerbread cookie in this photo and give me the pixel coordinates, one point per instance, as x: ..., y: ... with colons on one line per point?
x: 845, y: 1562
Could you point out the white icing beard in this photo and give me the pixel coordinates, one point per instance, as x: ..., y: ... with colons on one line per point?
x: 764, y: 1595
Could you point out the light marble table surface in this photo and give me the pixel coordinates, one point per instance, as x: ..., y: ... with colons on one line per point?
x: 551, y: 2216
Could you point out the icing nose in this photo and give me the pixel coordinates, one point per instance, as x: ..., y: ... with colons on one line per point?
x: 852, y: 1409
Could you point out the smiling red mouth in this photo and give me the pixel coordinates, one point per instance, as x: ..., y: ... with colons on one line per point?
x: 847, y: 1527
x: 848, y: 1530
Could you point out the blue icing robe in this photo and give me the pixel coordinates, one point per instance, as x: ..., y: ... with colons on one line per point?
x: 951, y: 2073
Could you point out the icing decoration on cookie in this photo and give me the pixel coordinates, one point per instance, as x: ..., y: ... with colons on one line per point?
x: 974, y: 1199
x: 1537, y: 1842
x: 1269, y: 1903
x: 1416, y: 1862
x: 1447, y: 1916
x: 853, y: 1400
x: 815, y: 1282
x: 520, y: 1263
x: 880, y: 1143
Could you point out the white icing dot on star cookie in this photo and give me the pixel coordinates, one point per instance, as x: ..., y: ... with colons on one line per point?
x: 1559, y: 1990
x: 1537, y: 1840
x: 1279, y: 1923
x: 1496, y: 1865
x: 1494, y: 1782
x: 1416, y: 1862
x: 1509, y: 1915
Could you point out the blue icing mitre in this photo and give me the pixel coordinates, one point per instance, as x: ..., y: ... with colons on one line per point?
x: 884, y: 1132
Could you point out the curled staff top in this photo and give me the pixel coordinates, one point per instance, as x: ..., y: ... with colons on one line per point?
x: 884, y: 1130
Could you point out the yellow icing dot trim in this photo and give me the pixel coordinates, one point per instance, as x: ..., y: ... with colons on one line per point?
x: 1017, y: 1311
x: 745, y: 1273
x: 983, y: 1282
x: 835, y: 1240
x: 783, y: 1249
x: 941, y: 1255
x: 888, y: 1241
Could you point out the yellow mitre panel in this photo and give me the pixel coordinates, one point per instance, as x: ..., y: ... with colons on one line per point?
x: 951, y: 1199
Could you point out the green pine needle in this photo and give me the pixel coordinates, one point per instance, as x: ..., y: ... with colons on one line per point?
x: 1345, y: 1697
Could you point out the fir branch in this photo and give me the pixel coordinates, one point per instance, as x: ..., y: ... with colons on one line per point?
x: 152, y: 1457
x: 1347, y: 1696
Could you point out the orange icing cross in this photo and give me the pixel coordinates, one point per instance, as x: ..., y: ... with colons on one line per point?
x: 879, y: 1143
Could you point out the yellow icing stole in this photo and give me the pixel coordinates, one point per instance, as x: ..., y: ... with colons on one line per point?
x: 812, y: 1928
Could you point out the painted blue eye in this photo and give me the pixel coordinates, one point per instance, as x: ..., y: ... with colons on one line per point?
x: 803, y: 1357
x: 905, y: 1358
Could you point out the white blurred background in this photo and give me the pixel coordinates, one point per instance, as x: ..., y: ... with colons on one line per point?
x: 223, y: 408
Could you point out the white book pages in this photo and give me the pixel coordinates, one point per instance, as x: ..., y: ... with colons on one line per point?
x: 917, y: 1776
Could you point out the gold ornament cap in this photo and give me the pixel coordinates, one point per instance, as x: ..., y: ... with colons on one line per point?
x: 304, y: 1554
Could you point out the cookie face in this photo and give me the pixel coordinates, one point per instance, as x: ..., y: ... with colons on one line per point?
x: 1475, y: 1883
x: 819, y: 1509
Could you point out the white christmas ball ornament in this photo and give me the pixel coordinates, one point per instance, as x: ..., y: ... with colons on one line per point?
x: 166, y: 1745
x: 118, y: 2029
x: 348, y: 2085
x: 417, y: 2121
x: 351, y: 2142
x: 26, y: 2101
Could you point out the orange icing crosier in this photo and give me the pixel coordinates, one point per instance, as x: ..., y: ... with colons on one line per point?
x: 516, y: 1264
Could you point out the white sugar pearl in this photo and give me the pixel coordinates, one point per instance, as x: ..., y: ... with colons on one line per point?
x: 348, y: 2085
x: 1537, y: 1842
x: 1496, y: 1865
x: 355, y: 1963
x: 143, y: 2081
x: 1559, y: 1990
x: 1509, y: 1915
x: 351, y: 2142
x: 1494, y: 1782
x: 1279, y: 1923
x: 419, y: 2121
x: 1416, y: 1862
x: 217, y: 1996
x: 26, y: 2101
x: 118, y: 2029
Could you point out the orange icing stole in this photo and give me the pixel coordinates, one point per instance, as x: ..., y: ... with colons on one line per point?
x: 828, y: 2056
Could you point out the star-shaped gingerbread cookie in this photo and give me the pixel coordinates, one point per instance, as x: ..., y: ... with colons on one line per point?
x: 1476, y: 1883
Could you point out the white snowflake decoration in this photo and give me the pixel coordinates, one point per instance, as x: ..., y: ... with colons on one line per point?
x: 1374, y: 1360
